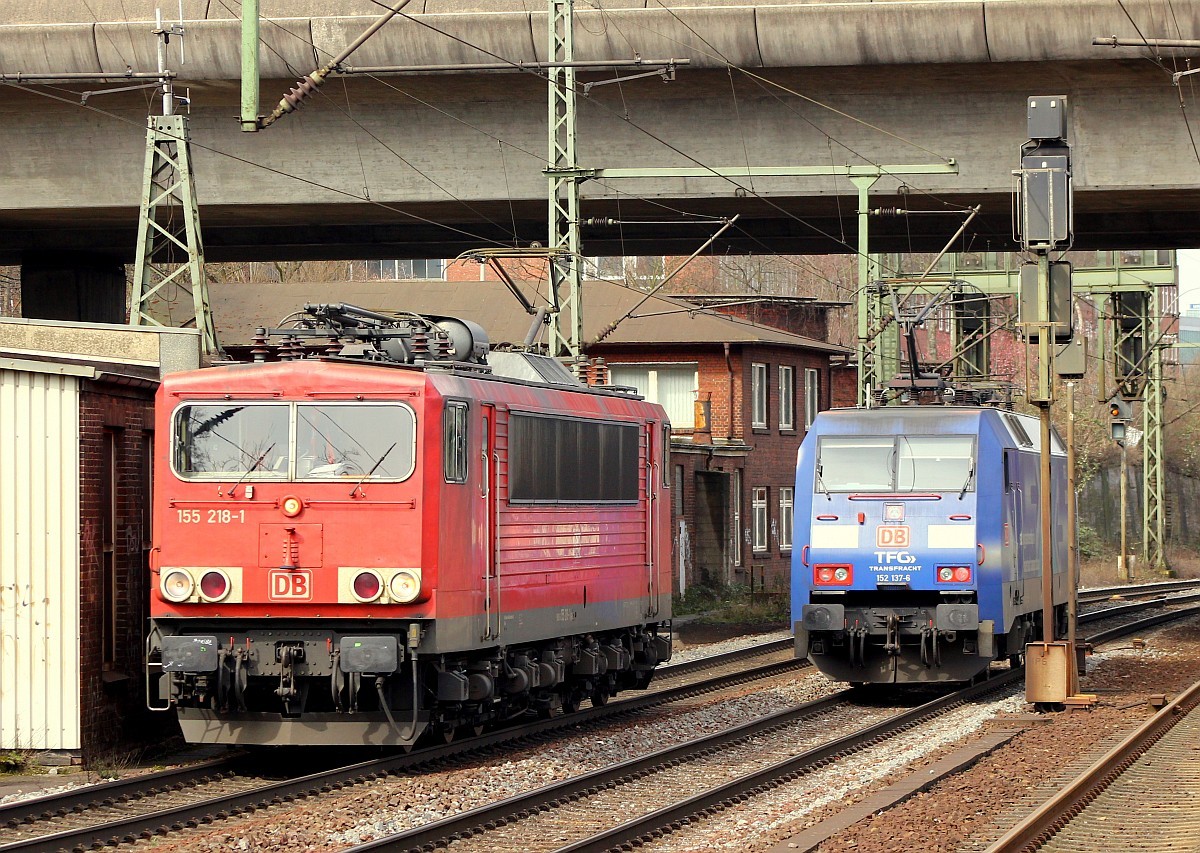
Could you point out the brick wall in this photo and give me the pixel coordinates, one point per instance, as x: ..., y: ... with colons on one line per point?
x: 765, y: 457
x: 771, y: 462
x: 116, y: 424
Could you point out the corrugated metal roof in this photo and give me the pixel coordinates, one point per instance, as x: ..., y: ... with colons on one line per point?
x: 239, y: 308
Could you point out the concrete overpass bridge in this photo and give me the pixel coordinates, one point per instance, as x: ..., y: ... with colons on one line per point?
x: 430, y: 164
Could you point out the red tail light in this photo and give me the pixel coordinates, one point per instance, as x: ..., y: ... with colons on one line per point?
x: 214, y: 586
x: 954, y: 574
x: 825, y: 574
x: 367, y: 586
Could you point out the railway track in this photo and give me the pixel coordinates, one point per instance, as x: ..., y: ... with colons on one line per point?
x: 1092, y: 811
x: 669, y: 788
x: 139, y: 807
x: 1135, y: 591
x: 169, y: 801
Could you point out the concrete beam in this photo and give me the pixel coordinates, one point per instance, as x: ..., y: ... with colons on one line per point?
x: 711, y: 33
x: 427, y: 166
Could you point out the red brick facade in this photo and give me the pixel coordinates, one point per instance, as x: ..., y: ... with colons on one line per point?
x: 116, y: 439
x: 721, y: 469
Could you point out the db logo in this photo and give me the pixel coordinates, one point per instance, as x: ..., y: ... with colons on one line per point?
x: 891, y: 536
x: 290, y: 585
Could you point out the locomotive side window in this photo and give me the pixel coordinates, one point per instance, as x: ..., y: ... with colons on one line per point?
x: 250, y: 440
x: 568, y: 460
x: 354, y: 441
x: 454, y: 442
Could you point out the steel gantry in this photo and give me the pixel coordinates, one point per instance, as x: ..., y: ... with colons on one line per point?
x: 1130, y: 337
x: 170, y: 253
x: 564, y: 177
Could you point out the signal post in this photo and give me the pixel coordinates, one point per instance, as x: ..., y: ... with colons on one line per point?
x: 1044, y: 223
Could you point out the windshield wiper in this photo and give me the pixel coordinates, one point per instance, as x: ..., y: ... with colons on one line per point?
x: 372, y: 471
x: 253, y: 467
x: 821, y: 483
x: 967, y: 483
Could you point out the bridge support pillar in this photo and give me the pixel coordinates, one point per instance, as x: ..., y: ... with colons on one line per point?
x: 81, y: 287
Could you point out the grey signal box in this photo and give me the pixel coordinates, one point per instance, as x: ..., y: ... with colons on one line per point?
x: 1061, y: 314
x: 1047, y: 117
x: 1045, y: 214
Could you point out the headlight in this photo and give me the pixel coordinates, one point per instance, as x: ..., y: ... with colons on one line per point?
x: 177, y: 585
x: 405, y: 586
x: 291, y: 506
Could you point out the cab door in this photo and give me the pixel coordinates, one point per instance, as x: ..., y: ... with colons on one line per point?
x: 489, y: 460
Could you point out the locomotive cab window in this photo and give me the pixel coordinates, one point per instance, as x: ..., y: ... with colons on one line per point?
x: 905, y: 463
x: 354, y: 440
x: 294, y: 441
x: 855, y: 464
x: 454, y: 442
x: 934, y: 463
x: 223, y: 440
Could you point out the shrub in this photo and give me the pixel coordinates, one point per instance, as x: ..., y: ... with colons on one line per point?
x: 14, y: 762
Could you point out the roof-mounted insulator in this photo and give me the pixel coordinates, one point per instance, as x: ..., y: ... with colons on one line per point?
x: 442, y: 347
x: 260, y: 349
x: 420, y: 346
x: 599, y: 372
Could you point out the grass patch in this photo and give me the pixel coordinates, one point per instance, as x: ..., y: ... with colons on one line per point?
x: 733, y: 604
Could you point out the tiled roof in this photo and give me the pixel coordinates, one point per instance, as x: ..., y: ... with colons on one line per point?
x: 239, y: 308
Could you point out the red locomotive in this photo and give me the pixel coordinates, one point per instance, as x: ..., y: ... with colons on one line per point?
x: 410, y: 535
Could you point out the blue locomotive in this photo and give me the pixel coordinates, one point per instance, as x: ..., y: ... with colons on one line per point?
x: 918, y: 534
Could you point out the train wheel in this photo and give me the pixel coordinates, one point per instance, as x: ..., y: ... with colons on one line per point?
x: 478, y: 730
x: 1015, y: 660
x: 599, y: 697
x: 570, y: 701
x: 447, y: 734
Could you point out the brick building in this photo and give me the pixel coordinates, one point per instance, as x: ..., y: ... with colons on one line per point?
x: 756, y: 388
x: 76, y: 441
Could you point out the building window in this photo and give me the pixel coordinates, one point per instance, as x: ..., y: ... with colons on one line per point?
x: 758, y: 395
x: 785, y: 518
x: 787, y: 397
x: 420, y: 268
x: 812, y: 397
x: 758, y: 509
x: 454, y: 442
x: 735, y: 501
x: 672, y: 386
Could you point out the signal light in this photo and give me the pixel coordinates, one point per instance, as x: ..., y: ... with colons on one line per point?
x: 833, y: 575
